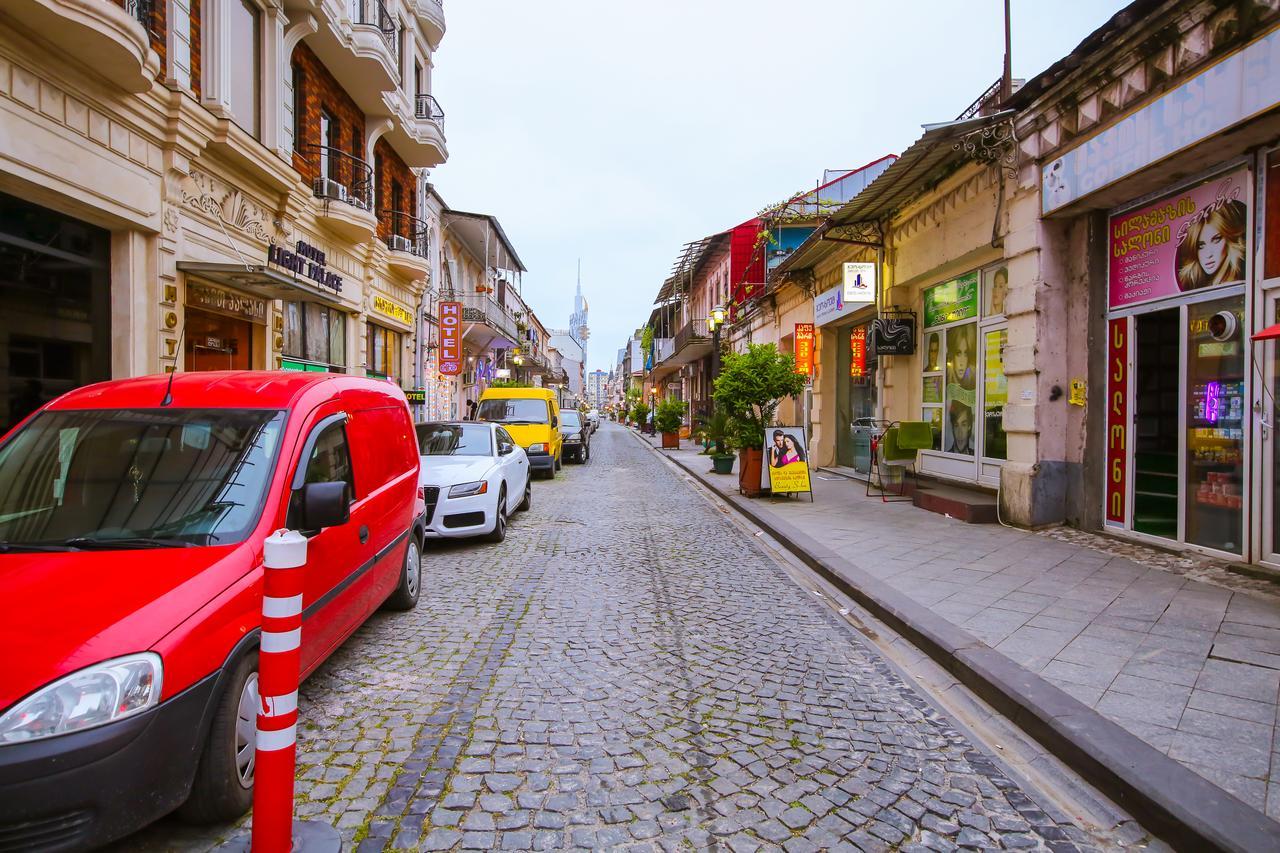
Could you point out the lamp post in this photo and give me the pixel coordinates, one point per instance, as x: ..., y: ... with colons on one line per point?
x: 715, y: 321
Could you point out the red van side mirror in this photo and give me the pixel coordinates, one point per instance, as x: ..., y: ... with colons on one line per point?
x: 325, y: 505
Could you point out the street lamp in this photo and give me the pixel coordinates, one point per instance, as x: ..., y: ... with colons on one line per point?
x: 715, y: 321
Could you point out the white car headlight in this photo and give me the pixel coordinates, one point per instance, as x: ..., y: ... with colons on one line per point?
x: 96, y: 695
x: 466, y: 490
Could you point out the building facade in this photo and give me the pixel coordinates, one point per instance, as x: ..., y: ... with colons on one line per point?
x: 212, y: 184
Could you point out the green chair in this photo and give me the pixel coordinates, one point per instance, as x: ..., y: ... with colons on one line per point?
x: 897, y: 449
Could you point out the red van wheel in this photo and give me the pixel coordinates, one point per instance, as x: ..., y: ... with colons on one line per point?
x: 405, y: 596
x: 223, y: 787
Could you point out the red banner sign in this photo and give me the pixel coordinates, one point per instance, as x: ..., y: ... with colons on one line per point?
x: 804, y: 348
x: 450, y: 314
x: 858, y: 352
x: 1117, y: 417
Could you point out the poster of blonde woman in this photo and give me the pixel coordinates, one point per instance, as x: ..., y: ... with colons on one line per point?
x: 786, y: 461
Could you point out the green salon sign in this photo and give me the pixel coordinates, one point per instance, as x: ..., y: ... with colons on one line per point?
x: 952, y: 300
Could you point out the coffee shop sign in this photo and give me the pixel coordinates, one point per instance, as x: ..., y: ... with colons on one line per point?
x: 305, y: 260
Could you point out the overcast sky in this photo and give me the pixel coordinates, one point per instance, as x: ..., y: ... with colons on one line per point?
x: 617, y: 131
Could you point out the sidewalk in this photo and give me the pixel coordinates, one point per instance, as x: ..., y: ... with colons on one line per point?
x: 1191, y: 668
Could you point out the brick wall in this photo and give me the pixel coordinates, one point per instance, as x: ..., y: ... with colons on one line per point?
x: 156, y: 30
x: 195, y: 47
x: 322, y: 92
x: 394, y: 171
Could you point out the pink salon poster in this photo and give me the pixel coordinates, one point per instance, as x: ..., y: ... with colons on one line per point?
x: 1188, y: 240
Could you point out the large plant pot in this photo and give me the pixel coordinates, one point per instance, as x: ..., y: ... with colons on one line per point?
x: 722, y: 464
x: 750, y: 460
x: 671, y: 441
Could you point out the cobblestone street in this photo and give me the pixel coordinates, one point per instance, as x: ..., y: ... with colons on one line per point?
x: 629, y: 670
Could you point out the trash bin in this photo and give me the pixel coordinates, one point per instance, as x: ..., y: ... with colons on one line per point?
x: 865, y: 429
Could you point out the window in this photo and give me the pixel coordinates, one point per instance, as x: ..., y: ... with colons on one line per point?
x: 383, y: 352
x: 328, y: 135
x: 315, y: 333
x: 417, y: 78
x: 398, y: 222
x: 244, y: 32
x: 435, y: 439
x: 522, y: 410
x: 299, y: 108
x: 961, y: 344
x: 330, y: 462
x: 153, y: 477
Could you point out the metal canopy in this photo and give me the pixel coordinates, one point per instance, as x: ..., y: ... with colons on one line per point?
x: 264, y: 281
x: 939, y: 148
x: 690, y: 257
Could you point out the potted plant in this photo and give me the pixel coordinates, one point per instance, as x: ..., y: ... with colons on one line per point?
x: 640, y: 413
x: 717, y: 431
x: 667, y: 418
x: 750, y: 386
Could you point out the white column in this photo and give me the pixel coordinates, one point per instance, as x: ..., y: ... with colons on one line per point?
x: 178, y: 18
x: 215, y: 52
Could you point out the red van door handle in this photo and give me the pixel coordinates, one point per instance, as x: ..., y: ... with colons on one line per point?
x: 364, y: 534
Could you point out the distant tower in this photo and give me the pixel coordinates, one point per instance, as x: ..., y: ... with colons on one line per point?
x: 578, y: 328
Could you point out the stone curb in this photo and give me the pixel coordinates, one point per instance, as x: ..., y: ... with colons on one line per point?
x: 1182, y: 808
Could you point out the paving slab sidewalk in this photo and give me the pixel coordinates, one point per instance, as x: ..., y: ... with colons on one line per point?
x: 1192, y: 668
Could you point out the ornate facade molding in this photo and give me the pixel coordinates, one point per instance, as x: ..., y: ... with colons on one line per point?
x: 230, y: 206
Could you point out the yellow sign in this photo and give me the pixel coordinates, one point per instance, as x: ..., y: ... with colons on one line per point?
x: 785, y: 459
x: 1077, y: 395
x: 393, y: 309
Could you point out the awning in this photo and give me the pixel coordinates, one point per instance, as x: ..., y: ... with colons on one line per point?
x: 940, y: 148
x: 1270, y: 333
x: 691, y: 256
x: 264, y: 281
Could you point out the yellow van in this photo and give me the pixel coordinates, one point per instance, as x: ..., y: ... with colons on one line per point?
x: 531, y: 415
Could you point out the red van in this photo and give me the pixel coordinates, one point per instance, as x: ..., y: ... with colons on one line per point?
x: 132, y: 521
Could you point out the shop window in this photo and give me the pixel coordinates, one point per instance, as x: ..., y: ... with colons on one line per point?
x: 961, y: 344
x: 245, y: 28
x: 995, y: 394
x: 1271, y: 251
x: 314, y: 337
x: 383, y: 352
x: 1215, y: 424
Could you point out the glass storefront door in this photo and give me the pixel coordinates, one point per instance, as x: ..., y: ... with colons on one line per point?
x: 1188, y: 401
x: 217, y: 342
x: 856, y: 367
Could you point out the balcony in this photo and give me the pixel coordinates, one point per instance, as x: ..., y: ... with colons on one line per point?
x: 692, y: 342
x: 482, y: 310
x: 358, y: 42
x: 662, y: 363
x: 111, y: 37
x: 343, y: 184
x: 431, y: 14
x: 407, y: 244
x: 418, y: 133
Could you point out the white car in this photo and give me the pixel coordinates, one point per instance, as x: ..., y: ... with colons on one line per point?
x: 474, y: 476
x: 593, y: 418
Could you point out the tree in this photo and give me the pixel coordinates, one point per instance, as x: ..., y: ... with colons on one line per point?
x: 750, y: 387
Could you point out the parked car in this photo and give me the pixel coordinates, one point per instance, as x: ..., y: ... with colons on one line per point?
x: 577, y: 435
x: 473, y: 477
x: 529, y: 415
x: 593, y: 418
x: 132, y: 521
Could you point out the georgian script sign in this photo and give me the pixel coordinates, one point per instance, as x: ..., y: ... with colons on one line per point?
x: 225, y: 302
x: 305, y: 260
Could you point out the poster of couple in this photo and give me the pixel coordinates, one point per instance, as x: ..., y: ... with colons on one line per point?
x: 786, y: 461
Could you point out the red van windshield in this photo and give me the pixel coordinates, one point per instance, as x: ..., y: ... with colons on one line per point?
x: 136, y: 479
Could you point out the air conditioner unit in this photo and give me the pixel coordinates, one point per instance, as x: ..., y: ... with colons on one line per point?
x: 329, y: 188
x: 401, y: 244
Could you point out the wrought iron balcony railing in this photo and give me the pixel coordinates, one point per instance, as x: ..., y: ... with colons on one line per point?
x: 695, y: 331
x: 407, y: 233
x: 427, y: 107
x: 373, y: 13
x: 341, y: 176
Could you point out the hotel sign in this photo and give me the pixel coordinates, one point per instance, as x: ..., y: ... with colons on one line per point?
x: 307, y: 261
x: 450, y: 314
